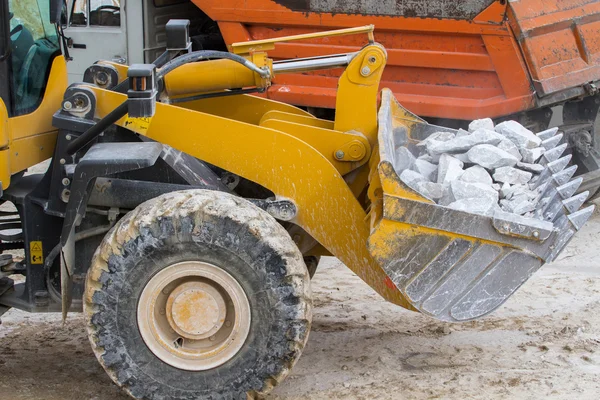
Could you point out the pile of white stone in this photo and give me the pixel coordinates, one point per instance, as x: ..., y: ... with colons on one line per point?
x: 484, y: 169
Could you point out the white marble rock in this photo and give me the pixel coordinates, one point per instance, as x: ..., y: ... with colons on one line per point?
x: 476, y: 174
x: 512, y: 175
x: 534, y: 168
x: 518, y: 134
x: 510, y: 148
x: 404, y: 159
x: 433, y: 191
x: 462, y: 157
x: 425, y: 168
x: 464, y: 143
x: 491, y: 157
x: 485, y: 123
x: 411, y: 178
x: 530, y: 156
x: 505, y: 190
x: 461, y: 132
x: 426, y: 157
x: 449, y: 169
x: 437, y: 136
x: 518, y: 205
x: 468, y: 190
x: 476, y: 205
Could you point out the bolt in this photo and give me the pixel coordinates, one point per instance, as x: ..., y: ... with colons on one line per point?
x: 67, y: 105
x: 162, y: 312
x: 63, y: 161
x: 365, y: 71
x: 228, y: 323
x: 212, y: 338
x: 66, y: 181
x: 68, y: 137
x: 165, y: 291
x: 372, y: 59
x: 339, y: 154
x: 64, y: 196
x: 536, y: 234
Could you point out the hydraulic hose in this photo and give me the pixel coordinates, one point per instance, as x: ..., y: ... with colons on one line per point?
x: 209, y: 54
x: 98, y: 128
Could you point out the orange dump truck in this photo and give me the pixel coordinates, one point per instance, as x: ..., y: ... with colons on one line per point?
x: 452, y: 60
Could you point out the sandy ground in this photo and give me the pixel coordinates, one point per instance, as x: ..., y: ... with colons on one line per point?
x: 544, y: 343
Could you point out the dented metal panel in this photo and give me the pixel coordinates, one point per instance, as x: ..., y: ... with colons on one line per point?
x: 560, y: 41
x: 460, y: 9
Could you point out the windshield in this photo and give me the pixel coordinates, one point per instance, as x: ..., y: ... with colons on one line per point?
x: 34, y: 43
x: 35, y: 15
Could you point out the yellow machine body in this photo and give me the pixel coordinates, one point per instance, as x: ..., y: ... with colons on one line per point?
x: 339, y: 174
x: 29, y: 139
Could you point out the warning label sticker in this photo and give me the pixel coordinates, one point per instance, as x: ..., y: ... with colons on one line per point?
x: 36, y: 252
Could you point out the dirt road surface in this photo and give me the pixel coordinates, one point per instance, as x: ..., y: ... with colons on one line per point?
x: 544, y: 343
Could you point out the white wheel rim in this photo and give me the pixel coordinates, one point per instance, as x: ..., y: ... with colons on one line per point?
x: 193, y: 316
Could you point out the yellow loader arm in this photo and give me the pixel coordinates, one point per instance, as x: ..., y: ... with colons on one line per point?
x: 449, y: 264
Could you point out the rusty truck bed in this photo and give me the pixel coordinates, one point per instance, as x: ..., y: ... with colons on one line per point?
x: 458, y: 60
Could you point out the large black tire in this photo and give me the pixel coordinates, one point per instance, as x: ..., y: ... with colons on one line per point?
x: 216, y: 228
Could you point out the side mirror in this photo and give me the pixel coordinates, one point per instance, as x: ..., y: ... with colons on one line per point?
x: 56, y: 7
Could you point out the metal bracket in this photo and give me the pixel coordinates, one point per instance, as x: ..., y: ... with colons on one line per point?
x: 103, y: 159
x: 79, y: 102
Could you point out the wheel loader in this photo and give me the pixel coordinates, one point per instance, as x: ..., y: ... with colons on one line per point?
x: 183, y: 215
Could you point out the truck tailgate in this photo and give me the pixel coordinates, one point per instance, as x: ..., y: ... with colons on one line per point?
x: 560, y: 41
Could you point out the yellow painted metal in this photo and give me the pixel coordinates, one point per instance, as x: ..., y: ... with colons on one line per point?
x: 26, y: 152
x: 216, y: 75
x: 31, y: 137
x: 243, y: 108
x: 4, y: 154
x: 300, y: 119
x: 327, y: 142
x: 327, y: 208
x: 269, y: 44
x: 5, y: 168
x: 4, y: 132
x: 358, y: 89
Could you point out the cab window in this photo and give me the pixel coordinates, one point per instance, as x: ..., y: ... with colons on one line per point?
x: 96, y: 13
x: 34, y: 43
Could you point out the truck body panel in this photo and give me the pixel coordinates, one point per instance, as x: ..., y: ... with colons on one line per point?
x: 457, y: 60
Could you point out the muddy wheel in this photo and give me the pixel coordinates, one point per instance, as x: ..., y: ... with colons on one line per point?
x: 197, y: 295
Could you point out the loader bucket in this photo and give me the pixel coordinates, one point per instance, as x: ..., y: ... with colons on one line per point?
x: 455, y: 265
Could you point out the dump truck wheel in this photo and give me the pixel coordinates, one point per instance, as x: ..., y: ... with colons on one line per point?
x: 196, y: 295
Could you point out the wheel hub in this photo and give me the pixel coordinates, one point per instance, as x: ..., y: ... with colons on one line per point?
x: 193, y: 315
x: 196, y: 310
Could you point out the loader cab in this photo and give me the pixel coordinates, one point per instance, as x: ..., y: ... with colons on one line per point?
x: 28, y: 44
x: 32, y: 82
